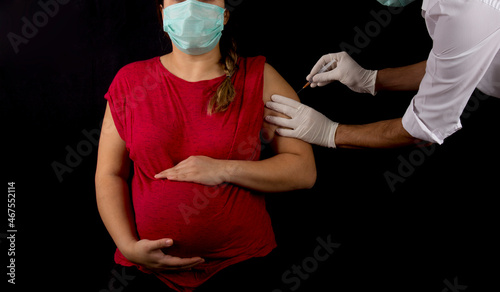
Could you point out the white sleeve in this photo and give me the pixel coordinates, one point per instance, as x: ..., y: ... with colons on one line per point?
x: 466, y: 38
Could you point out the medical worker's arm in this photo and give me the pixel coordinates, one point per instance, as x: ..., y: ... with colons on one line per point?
x: 293, y: 167
x: 406, y: 78
x: 307, y: 124
x: 115, y: 207
x: 384, y: 134
x: 358, y: 79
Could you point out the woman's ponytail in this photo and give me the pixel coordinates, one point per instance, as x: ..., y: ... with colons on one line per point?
x: 226, y: 92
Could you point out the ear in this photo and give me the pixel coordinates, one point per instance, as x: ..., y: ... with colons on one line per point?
x: 226, y: 16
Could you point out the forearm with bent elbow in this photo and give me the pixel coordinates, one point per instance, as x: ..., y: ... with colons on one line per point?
x: 281, y: 173
x: 390, y: 133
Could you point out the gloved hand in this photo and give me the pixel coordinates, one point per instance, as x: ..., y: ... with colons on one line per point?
x: 345, y: 70
x: 305, y: 124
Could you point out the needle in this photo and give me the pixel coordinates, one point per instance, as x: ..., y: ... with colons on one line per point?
x: 308, y: 83
x: 323, y: 70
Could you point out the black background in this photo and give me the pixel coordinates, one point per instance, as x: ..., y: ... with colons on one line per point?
x: 438, y: 224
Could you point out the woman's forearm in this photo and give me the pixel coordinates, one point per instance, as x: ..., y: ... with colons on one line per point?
x: 115, y: 208
x: 406, y: 78
x: 281, y: 173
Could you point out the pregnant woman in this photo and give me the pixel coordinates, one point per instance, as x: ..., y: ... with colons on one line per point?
x: 191, y: 122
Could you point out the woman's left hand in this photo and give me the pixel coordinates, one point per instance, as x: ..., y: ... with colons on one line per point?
x: 197, y: 169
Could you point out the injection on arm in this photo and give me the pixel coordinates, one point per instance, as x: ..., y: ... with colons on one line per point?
x: 323, y: 70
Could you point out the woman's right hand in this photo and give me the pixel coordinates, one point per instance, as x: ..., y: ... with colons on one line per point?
x: 149, y: 254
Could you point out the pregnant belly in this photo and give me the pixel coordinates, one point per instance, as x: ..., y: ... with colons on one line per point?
x: 202, y: 221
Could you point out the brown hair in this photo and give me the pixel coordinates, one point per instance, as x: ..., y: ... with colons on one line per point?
x: 229, y: 58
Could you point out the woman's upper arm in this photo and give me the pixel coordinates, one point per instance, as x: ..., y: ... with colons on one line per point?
x: 275, y: 84
x: 113, y: 157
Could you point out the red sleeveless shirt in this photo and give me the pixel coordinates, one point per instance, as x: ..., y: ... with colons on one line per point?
x: 163, y: 120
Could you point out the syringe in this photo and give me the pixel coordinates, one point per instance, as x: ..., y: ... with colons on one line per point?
x: 323, y: 70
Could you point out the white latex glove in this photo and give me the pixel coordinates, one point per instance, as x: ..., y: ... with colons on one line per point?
x: 305, y: 124
x: 345, y: 70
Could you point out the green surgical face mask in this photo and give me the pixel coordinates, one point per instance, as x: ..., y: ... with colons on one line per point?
x: 194, y: 27
x: 395, y: 3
